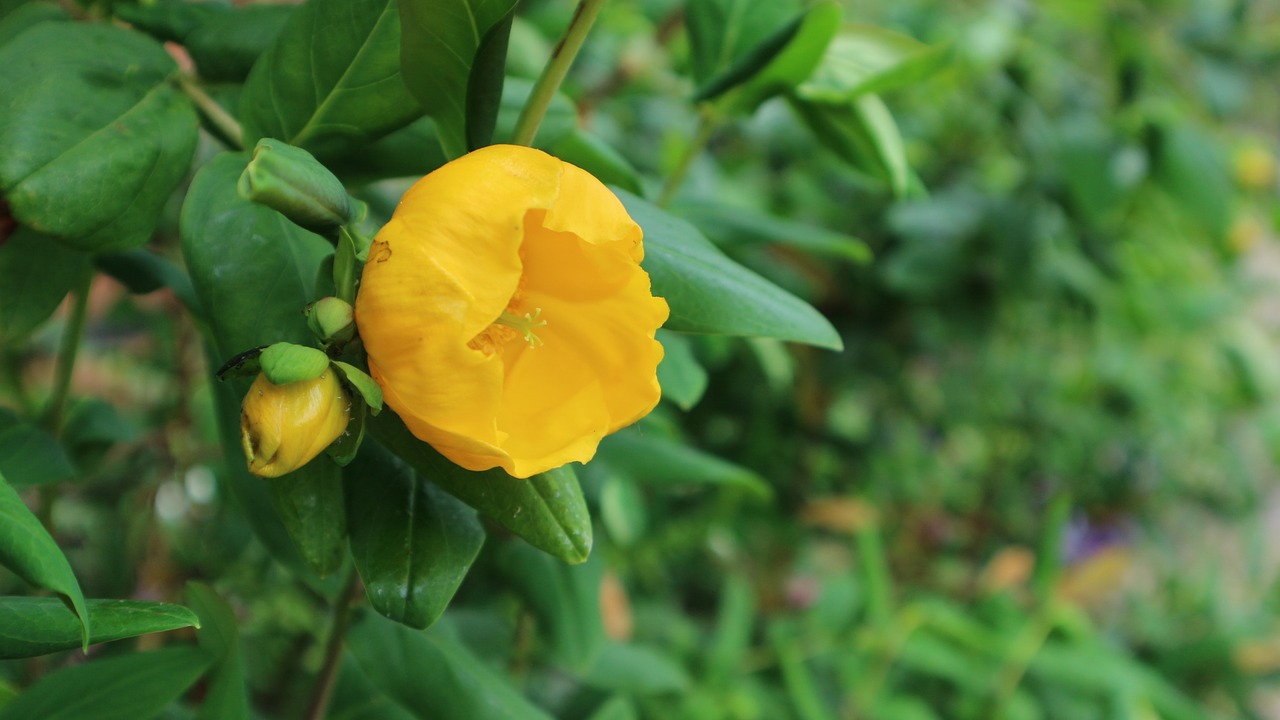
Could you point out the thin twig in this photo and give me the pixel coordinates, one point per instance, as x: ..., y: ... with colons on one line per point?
x: 216, y: 114
x: 319, y: 704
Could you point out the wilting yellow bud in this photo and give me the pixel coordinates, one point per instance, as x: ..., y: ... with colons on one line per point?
x: 282, y: 427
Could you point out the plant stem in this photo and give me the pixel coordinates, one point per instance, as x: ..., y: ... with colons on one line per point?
x: 553, y: 73
x: 319, y: 705
x: 216, y: 114
x: 72, y: 333
x: 707, y: 122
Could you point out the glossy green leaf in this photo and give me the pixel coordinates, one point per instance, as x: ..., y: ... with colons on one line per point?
x: 30, y: 552
x: 441, y: 59
x: 594, y: 155
x: 565, y: 599
x: 143, y: 271
x: 729, y: 226
x: 751, y: 63
x: 655, y: 460
x: 29, y: 15
x: 365, y: 385
x: 285, y: 363
x: 723, y: 32
x: 636, y: 670
x: 484, y: 86
x: 38, y: 272
x: 94, y: 174
x: 129, y: 687
x: 31, y: 626
x: 254, y: 271
x: 547, y: 510
x: 226, y: 45
x: 226, y: 696
x: 861, y: 132
x: 331, y: 80
x: 168, y: 19
x: 868, y: 59
x: 29, y: 455
x: 411, y: 151
x: 682, y: 378
x: 432, y: 675
x: 786, y: 69
x: 412, y: 543
x: 709, y: 293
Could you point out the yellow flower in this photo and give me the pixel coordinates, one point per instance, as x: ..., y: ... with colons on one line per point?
x: 282, y: 427
x: 506, y: 315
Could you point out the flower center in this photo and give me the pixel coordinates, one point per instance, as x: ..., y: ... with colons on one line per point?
x: 523, y: 324
x: 508, y: 326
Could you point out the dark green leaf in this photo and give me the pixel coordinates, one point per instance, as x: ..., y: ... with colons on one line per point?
x: 143, y: 271
x: 749, y: 64
x: 723, y: 32
x: 26, y: 16
x: 29, y: 551
x: 863, y: 133
x: 411, y: 151
x: 547, y: 510
x: 168, y: 19
x: 29, y: 455
x: 785, y: 69
x: 681, y: 376
x: 592, y: 154
x: 432, y: 675
x: 94, y: 174
x: 868, y: 59
x: 226, y: 45
x: 411, y: 542
x: 38, y: 626
x: 655, y: 460
x: 331, y: 80
x: 38, y: 272
x: 564, y: 598
x: 729, y: 226
x: 439, y: 52
x: 225, y: 696
x: 355, y: 698
x: 709, y: 293
x: 636, y: 670
x: 484, y: 86
x: 254, y: 271
x: 1190, y: 165
x: 130, y: 687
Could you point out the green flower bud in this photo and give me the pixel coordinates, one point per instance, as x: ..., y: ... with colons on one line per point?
x: 289, y: 180
x: 331, y: 319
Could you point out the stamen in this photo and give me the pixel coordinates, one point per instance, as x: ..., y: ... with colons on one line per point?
x: 524, y: 325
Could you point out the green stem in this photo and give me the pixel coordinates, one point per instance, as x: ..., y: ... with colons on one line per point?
x: 318, y: 707
x: 553, y: 73
x: 213, y: 111
x: 707, y: 123
x: 72, y: 333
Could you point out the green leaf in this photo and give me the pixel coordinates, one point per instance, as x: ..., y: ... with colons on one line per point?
x: 411, y: 151
x: 868, y: 59
x: 29, y: 551
x: 168, y: 19
x: 618, y: 707
x: 1190, y: 165
x: 565, y: 599
x: 636, y: 670
x: 412, y: 543
x: 38, y: 272
x: 143, y: 271
x: 95, y: 174
x: 786, y: 68
x: 655, y: 460
x: 731, y: 226
x: 331, y: 80
x: 594, y: 155
x: 29, y: 455
x: 547, y: 510
x: 131, y: 687
x: 227, y: 44
x: 225, y: 696
x: 32, y: 626
x: 484, y: 86
x: 724, y: 32
x: 709, y: 293
x: 355, y: 698
x: 432, y: 675
x: 447, y: 57
x: 360, y: 380
x: 29, y: 15
x: 861, y: 132
x: 285, y: 363
x: 560, y: 120
x: 254, y: 271
x: 681, y: 376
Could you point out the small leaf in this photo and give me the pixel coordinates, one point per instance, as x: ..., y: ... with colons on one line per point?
x: 284, y: 363
x: 343, y: 450
x: 38, y: 272
x: 863, y: 133
x: 732, y: 226
x: 749, y: 64
x: 868, y: 59
x: 331, y: 80
x: 723, y: 32
x: 129, y: 687
x: 29, y: 551
x: 94, y: 174
x: 396, y: 659
x: 636, y: 670
x: 709, y: 293
x: 38, y: 626
x: 360, y: 380
x: 412, y: 543
x: 788, y: 68
x: 547, y: 510
x: 681, y: 376
x: 439, y: 51
x: 225, y: 697
x: 654, y: 460
x: 29, y: 455
x: 564, y: 598
x: 143, y: 272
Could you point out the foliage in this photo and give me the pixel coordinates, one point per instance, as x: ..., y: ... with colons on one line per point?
x: 967, y: 348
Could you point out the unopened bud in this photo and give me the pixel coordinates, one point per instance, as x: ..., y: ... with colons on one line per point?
x: 289, y: 180
x: 331, y: 319
x: 283, y: 427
